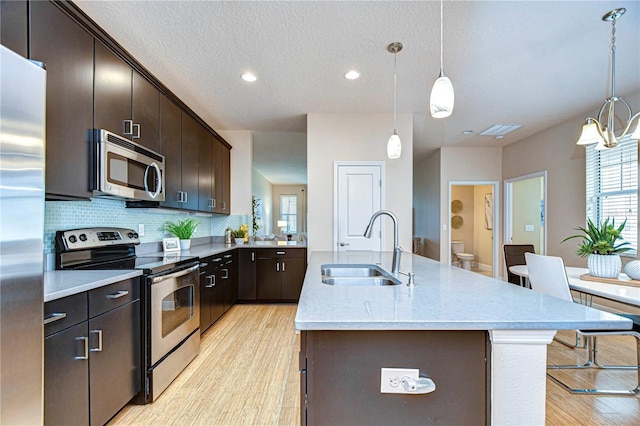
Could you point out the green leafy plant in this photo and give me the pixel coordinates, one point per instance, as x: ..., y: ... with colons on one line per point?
x: 183, y: 229
x: 600, y: 240
x: 240, y: 232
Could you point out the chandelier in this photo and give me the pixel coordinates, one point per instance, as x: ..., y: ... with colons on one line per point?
x: 603, y: 132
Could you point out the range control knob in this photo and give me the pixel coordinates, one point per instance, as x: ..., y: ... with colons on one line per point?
x: 72, y: 239
x: 83, y: 237
x: 132, y: 235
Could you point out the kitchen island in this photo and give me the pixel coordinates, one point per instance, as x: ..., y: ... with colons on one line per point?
x: 482, y: 341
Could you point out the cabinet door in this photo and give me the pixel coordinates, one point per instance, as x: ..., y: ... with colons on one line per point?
x: 145, y: 107
x: 66, y: 378
x: 268, y: 279
x: 246, y: 274
x: 293, y: 270
x: 171, y: 148
x: 112, y: 91
x: 115, y: 367
x: 13, y: 26
x: 217, y: 295
x: 67, y: 51
x: 226, y: 179
x: 205, y: 189
x: 190, y: 161
x: 230, y: 284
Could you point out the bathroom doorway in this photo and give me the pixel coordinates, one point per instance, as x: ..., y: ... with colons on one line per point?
x: 474, y: 226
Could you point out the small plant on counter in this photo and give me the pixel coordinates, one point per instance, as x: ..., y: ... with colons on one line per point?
x: 183, y: 229
x: 600, y: 240
x: 241, y: 232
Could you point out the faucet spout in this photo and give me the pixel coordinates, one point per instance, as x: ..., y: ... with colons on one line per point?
x: 397, y: 250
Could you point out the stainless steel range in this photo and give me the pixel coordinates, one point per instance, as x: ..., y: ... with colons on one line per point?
x: 170, y: 298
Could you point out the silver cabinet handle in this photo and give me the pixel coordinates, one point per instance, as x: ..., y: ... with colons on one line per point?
x: 99, y: 348
x: 179, y: 196
x: 344, y: 244
x: 203, y: 265
x: 280, y: 252
x: 225, y: 273
x: 253, y: 256
x: 224, y: 205
x: 186, y: 196
x: 210, y: 203
x: 136, y: 135
x: 217, y: 259
x: 213, y: 205
x: 283, y: 270
x: 211, y: 279
x: 86, y: 348
x: 119, y: 294
x: 124, y: 127
x: 55, y: 317
x: 278, y: 267
x: 227, y: 256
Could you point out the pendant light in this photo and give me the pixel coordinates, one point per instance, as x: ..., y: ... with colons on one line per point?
x: 394, y: 146
x: 442, y: 96
x: 597, y: 131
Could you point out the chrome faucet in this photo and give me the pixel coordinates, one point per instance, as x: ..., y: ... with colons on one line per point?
x: 397, y: 250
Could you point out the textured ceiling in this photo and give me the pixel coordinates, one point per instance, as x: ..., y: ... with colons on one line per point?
x: 534, y: 63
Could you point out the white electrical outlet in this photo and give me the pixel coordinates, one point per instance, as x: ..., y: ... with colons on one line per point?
x: 528, y: 228
x: 391, y: 378
x: 141, y: 229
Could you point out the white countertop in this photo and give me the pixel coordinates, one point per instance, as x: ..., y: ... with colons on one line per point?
x: 59, y: 284
x: 444, y: 298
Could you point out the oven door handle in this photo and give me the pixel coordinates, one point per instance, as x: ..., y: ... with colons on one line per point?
x: 175, y: 274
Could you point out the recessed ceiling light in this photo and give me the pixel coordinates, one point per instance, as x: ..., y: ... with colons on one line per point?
x: 467, y: 132
x: 247, y: 76
x: 352, y: 75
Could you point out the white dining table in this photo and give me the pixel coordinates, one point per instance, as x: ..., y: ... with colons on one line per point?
x: 627, y: 294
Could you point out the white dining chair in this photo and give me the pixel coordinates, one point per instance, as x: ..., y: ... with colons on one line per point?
x: 548, y: 275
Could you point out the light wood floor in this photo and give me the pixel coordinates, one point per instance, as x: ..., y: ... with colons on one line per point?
x: 247, y: 374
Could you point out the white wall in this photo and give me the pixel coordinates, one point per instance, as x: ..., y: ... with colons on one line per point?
x: 241, y: 169
x: 357, y: 137
x: 263, y: 190
x: 464, y: 164
x: 426, y: 204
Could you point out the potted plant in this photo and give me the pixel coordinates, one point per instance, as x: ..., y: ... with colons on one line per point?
x: 183, y: 229
x: 240, y: 234
x: 599, y: 245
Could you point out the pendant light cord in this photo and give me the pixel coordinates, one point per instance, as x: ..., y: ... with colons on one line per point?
x: 441, y: 31
x: 395, y: 89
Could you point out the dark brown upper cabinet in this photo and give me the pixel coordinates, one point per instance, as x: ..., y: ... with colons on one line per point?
x: 67, y: 52
x: 125, y: 102
x: 205, y: 172
x: 13, y: 26
x: 222, y: 177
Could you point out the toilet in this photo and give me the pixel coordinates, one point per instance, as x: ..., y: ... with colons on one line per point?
x: 460, y: 258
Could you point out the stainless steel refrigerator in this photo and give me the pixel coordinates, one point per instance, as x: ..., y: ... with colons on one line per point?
x: 22, y: 154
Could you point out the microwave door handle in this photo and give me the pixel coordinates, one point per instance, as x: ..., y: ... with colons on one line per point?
x: 158, y: 180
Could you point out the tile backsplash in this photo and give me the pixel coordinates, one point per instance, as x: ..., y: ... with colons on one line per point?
x: 62, y: 215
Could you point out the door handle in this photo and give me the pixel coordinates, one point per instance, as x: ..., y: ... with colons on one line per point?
x: 86, y: 348
x: 137, y: 134
x: 212, y: 281
x: 344, y: 244
x: 278, y: 267
x: 117, y: 295
x: 283, y: 270
x: 99, y: 348
x: 124, y: 127
x: 55, y: 317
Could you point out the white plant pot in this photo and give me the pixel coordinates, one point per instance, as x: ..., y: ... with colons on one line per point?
x: 239, y: 241
x: 604, y: 266
x: 185, y: 244
x: 632, y: 269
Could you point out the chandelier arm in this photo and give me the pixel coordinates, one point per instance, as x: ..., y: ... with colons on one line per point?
x: 598, y: 127
x: 629, y: 123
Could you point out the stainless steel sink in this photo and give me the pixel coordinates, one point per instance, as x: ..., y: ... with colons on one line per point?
x: 356, y: 275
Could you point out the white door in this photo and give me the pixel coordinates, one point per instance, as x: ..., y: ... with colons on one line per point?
x: 359, y: 194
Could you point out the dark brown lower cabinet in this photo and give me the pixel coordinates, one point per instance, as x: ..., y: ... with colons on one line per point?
x: 246, y: 275
x: 218, y: 287
x: 340, y: 377
x: 92, y: 360
x: 280, y: 274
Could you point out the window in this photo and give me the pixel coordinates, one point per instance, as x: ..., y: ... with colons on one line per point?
x: 612, y: 187
x: 289, y: 212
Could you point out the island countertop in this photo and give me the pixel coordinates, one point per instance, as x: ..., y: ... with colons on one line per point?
x: 444, y: 298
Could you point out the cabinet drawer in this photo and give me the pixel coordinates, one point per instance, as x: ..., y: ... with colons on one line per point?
x: 275, y: 253
x: 113, y: 295
x: 64, y: 313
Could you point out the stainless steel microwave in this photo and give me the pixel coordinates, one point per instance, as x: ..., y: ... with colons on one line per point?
x: 124, y: 169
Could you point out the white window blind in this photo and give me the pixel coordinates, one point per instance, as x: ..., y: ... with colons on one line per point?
x: 612, y: 187
x: 289, y: 212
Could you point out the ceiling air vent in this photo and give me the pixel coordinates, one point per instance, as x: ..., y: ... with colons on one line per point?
x: 500, y: 129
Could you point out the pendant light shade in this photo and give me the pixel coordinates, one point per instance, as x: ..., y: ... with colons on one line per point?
x: 601, y: 130
x: 442, y: 97
x: 394, y: 145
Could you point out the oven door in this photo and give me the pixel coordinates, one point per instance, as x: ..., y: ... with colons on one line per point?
x: 175, y: 310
